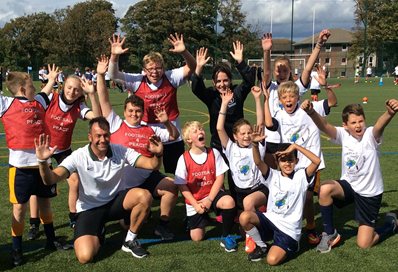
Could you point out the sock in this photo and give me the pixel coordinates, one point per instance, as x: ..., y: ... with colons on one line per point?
x: 130, y: 236
x: 17, y: 242
x: 327, y: 218
x: 385, y: 230
x: 49, y: 231
x: 34, y: 221
x: 255, y: 235
x: 228, y: 216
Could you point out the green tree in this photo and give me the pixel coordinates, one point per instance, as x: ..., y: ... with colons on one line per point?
x: 147, y: 25
x: 379, y: 19
x: 24, y: 41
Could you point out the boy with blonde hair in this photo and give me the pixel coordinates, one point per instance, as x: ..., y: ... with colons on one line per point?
x: 200, y: 177
x: 23, y: 119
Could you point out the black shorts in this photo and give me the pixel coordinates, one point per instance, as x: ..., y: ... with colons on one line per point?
x: 269, y: 231
x: 25, y: 182
x: 242, y: 193
x: 44, y: 81
x: 59, y: 157
x: 314, y: 186
x: 315, y: 91
x: 366, y: 208
x: 171, y: 154
x: 152, y: 181
x: 202, y: 220
x: 92, y: 222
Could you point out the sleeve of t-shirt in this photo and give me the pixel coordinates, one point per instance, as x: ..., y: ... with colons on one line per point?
x: 221, y: 166
x: 199, y: 89
x: 162, y: 133
x: 83, y: 110
x: 114, y: 121
x: 132, y: 81
x: 5, y: 103
x: 181, y: 172
x: 227, y: 149
x: 302, y: 88
x: 176, y: 76
x: 42, y: 98
x: 69, y: 163
x: 131, y: 155
x: 321, y: 107
x: 340, y: 132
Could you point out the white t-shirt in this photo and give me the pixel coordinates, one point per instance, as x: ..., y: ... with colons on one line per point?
x: 99, y: 180
x: 314, y: 83
x: 134, y: 177
x: 245, y: 173
x: 275, y: 106
x: 181, y: 171
x: 360, y: 165
x: 286, y: 201
x: 369, y: 70
x: 299, y: 128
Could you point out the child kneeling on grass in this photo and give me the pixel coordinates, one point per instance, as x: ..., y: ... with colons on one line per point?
x: 361, y: 181
x: 287, y: 193
x: 200, y: 177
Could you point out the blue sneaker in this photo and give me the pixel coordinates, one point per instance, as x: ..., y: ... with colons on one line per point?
x: 229, y: 244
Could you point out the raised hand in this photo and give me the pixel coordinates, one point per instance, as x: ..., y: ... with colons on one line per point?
x: 392, y: 106
x: 323, y: 36
x: 238, y: 51
x: 155, y: 145
x: 227, y: 96
x: 307, y: 107
x: 201, y: 57
x: 87, y: 86
x: 161, y: 115
x: 258, y: 134
x: 52, y: 72
x: 102, y: 66
x: 117, y: 44
x: 256, y: 92
x: 266, y: 41
x: 177, y: 41
x: 321, y: 75
x: 42, y: 147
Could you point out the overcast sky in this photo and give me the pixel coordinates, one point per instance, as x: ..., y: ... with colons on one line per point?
x: 328, y: 14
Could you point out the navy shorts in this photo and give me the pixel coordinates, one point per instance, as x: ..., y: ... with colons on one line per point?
x: 202, y: 220
x: 25, y: 182
x: 152, y: 181
x: 92, y: 222
x: 269, y: 231
x: 171, y: 154
x: 366, y: 208
x: 242, y: 193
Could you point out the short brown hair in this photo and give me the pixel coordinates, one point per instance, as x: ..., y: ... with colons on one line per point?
x: 356, y: 109
x: 15, y: 80
x: 238, y: 124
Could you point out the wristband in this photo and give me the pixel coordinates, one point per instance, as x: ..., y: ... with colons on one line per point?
x: 41, y: 161
x: 222, y: 113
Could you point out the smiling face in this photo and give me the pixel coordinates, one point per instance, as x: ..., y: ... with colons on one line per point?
x: 99, y: 140
x: 287, y: 164
x: 243, y: 135
x: 133, y: 114
x: 72, y: 90
x: 154, y: 71
x: 222, y: 82
x: 355, y: 125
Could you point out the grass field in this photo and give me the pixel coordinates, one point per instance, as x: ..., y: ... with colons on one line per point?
x: 185, y: 255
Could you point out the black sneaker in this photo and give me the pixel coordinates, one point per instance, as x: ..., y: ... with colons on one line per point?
x: 164, y: 232
x: 258, y: 254
x: 33, y: 233
x: 16, y: 257
x: 135, y: 248
x: 57, y: 244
